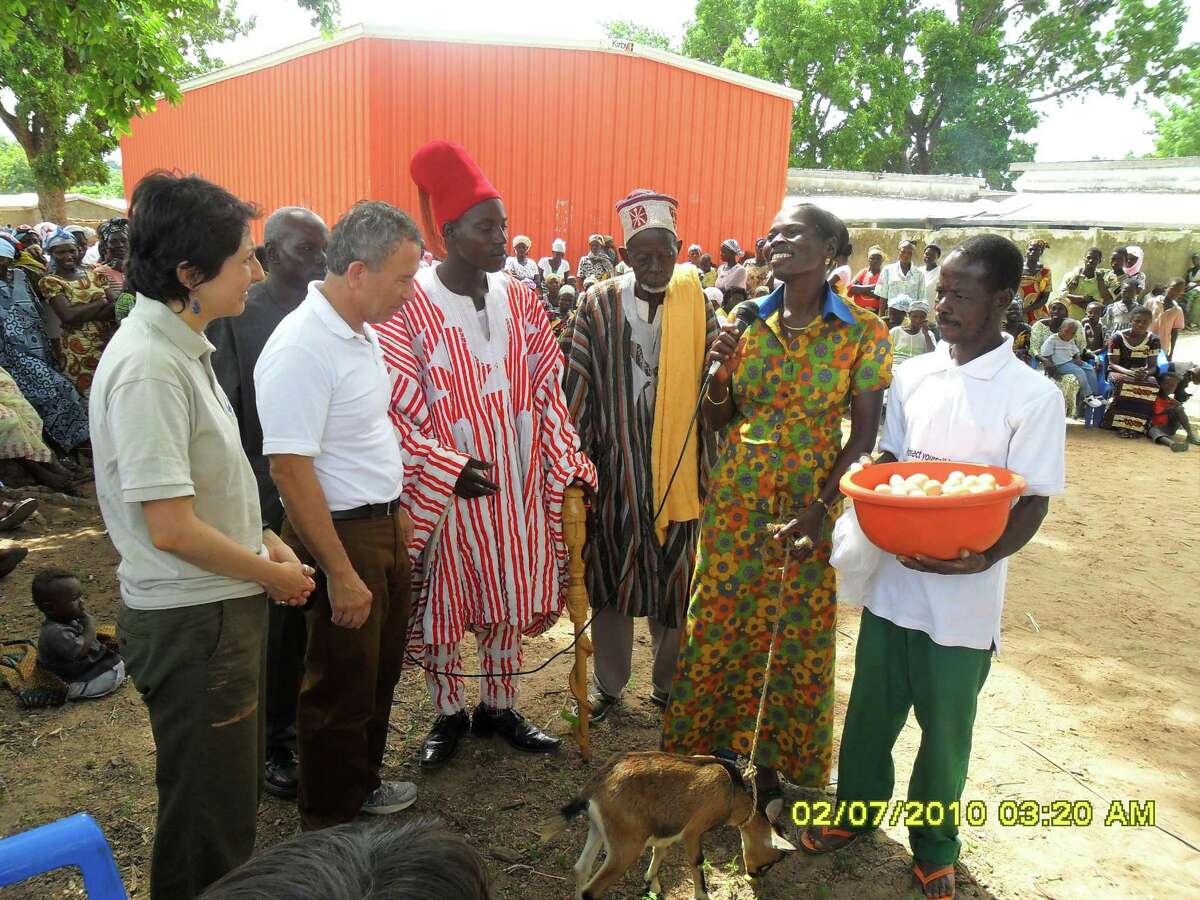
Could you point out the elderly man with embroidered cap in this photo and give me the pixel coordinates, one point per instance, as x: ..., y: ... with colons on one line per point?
x: 636, y: 426
x: 489, y: 449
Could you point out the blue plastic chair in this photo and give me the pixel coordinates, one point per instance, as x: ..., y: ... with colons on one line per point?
x: 74, y: 841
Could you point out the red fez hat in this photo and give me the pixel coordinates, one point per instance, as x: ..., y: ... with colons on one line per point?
x: 449, y: 183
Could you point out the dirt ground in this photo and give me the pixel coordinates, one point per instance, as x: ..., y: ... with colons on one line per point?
x: 1095, y: 698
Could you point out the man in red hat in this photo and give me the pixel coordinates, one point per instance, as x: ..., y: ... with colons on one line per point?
x: 489, y: 449
x: 626, y: 332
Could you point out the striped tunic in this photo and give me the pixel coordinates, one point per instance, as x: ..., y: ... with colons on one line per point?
x: 493, y: 393
x: 611, y: 383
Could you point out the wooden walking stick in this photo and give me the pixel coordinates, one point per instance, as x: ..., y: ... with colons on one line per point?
x: 574, y: 517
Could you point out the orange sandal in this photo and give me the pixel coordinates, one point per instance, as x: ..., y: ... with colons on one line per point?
x: 844, y: 838
x: 924, y: 880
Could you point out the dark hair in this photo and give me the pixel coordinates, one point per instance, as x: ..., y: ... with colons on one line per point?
x: 1000, y: 258
x: 419, y: 860
x: 934, y: 247
x: 1140, y: 311
x: 178, y: 220
x: 43, y: 585
x: 828, y: 225
x: 844, y: 247
x: 368, y: 233
x: 1095, y: 250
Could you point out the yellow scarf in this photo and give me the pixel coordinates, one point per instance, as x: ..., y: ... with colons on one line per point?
x: 680, y: 366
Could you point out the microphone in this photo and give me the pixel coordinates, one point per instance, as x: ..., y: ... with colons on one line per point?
x: 745, y: 314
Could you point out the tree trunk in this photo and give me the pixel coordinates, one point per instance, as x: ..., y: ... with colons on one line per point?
x: 52, y: 201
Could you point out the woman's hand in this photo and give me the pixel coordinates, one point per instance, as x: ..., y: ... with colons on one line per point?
x: 728, y: 350
x: 279, y: 552
x: 290, y: 582
x: 803, y: 532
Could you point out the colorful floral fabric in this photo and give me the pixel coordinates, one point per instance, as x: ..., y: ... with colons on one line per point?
x: 791, y: 393
x: 82, y: 343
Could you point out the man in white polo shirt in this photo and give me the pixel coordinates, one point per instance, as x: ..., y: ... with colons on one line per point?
x: 323, y: 396
x: 930, y: 626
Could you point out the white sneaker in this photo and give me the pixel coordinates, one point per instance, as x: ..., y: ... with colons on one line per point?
x: 1094, y: 402
x: 390, y: 797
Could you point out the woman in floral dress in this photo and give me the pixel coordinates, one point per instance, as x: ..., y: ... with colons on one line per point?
x: 779, y: 399
x: 85, y: 303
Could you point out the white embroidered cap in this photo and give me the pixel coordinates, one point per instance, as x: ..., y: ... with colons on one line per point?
x: 643, y: 210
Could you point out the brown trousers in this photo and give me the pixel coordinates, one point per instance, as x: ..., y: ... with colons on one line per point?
x: 350, y: 675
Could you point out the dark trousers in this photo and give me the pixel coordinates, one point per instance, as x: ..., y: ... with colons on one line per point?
x: 199, y: 670
x: 350, y: 675
x: 286, y: 639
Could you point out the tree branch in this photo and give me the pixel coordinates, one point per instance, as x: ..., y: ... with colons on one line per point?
x: 20, y: 130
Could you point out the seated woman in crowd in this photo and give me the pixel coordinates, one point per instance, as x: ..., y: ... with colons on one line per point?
x: 21, y: 438
x: 1035, y: 281
x: 520, y: 266
x: 1016, y: 326
x: 1133, y: 371
x: 1088, y: 282
x: 1133, y: 274
x: 27, y: 355
x: 85, y: 304
x: 862, y: 288
x: 1046, y: 328
x: 114, y: 248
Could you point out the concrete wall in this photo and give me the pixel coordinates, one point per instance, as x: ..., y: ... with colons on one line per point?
x: 1167, y: 252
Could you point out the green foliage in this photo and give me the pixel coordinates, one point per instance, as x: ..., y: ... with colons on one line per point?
x: 1179, y: 128
x: 625, y: 30
x: 923, y: 86
x: 15, y: 175
x: 80, y: 71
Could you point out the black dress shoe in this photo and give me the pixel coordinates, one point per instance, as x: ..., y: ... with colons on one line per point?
x: 514, y: 728
x: 442, y: 741
x: 281, y: 775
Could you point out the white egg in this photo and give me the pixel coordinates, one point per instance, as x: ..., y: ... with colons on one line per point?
x: 855, y: 468
x: 987, y: 478
x: 978, y: 489
x: 883, y: 488
x: 953, y: 489
x: 896, y: 481
x: 971, y: 480
x: 955, y: 476
x: 918, y: 479
x: 865, y: 459
x: 932, y: 489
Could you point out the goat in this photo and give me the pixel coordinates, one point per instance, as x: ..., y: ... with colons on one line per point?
x: 654, y: 799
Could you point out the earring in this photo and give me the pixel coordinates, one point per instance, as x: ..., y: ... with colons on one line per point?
x: 194, y: 303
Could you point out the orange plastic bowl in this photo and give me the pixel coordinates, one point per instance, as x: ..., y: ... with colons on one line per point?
x: 937, y: 527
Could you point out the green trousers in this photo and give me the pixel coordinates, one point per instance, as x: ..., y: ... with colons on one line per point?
x: 199, y: 670
x: 897, y: 669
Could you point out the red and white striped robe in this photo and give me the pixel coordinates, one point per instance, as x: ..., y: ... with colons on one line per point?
x: 499, y: 558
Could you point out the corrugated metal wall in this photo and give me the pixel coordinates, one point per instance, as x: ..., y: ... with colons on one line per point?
x: 563, y: 134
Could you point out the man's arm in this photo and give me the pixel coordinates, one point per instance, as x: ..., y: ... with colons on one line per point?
x: 308, y: 512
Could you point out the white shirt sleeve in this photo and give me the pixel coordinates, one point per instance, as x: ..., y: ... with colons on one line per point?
x: 294, y: 389
x: 893, y: 424
x: 1037, y: 450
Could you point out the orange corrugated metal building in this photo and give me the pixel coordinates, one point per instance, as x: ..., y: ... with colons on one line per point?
x: 563, y: 130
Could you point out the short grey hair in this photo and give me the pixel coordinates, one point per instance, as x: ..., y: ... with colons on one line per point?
x: 369, y: 233
x: 419, y: 860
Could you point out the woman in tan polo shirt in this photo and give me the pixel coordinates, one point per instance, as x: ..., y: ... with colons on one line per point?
x: 181, y: 506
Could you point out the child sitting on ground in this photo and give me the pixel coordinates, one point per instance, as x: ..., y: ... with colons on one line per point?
x: 1169, y: 417
x: 1060, y: 356
x: 68, y: 646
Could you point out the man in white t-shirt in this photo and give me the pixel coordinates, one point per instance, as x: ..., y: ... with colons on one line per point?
x: 902, y: 277
x: 323, y: 393
x: 930, y: 626
x: 933, y: 272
